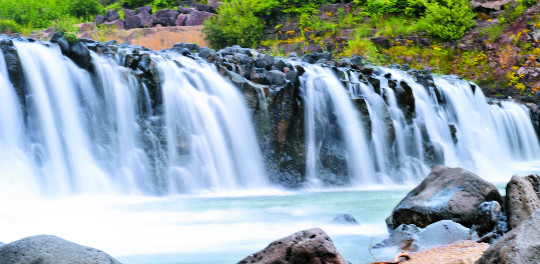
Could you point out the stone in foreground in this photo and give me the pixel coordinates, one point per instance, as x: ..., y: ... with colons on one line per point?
x: 521, y: 245
x: 446, y: 194
x: 46, y: 249
x: 304, y: 247
x: 522, y: 198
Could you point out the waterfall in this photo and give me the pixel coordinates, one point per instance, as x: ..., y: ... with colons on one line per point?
x: 70, y: 130
x: 93, y: 131
x: 409, y: 128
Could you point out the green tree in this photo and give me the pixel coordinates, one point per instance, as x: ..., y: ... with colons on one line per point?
x: 235, y: 23
x: 85, y: 9
x: 449, y: 19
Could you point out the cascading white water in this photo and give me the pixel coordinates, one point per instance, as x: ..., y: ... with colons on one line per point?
x: 211, y: 143
x: 325, y: 101
x: 83, y: 132
x: 464, y: 130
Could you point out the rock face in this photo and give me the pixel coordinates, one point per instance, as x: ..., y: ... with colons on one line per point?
x: 45, y: 249
x: 197, y: 18
x: 305, y: 247
x: 521, y: 245
x: 166, y: 17
x: 490, y: 5
x: 522, y: 198
x: 446, y: 194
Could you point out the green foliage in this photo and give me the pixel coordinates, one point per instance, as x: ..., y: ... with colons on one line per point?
x: 33, y: 13
x: 9, y: 26
x: 85, y: 9
x: 363, y: 47
x: 164, y: 4
x: 132, y: 4
x: 235, y: 23
x: 449, y: 19
x: 393, y: 26
x: 65, y: 24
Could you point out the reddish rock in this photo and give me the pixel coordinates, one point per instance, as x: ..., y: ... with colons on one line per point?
x: 312, y: 246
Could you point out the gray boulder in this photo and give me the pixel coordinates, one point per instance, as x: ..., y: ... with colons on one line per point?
x: 111, y: 15
x: 181, y: 20
x: 305, y: 247
x: 133, y: 22
x: 196, y: 18
x: 144, y: 9
x: 166, y: 17
x: 99, y: 19
x: 276, y: 77
x: 129, y: 13
x: 489, y: 5
x: 522, y: 198
x: 45, y: 249
x: 440, y: 233
x: 521, y: 245
x: 445, y: 194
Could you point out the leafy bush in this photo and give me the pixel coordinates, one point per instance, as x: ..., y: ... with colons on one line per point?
x: 163, y: 4
x: 65, y: 24
x: 131, y: 4
x: 85, y: 9
x: 449, y: 19
x: 9, y: 26
x: 235, y: 23
x: 363, y: 47
x: 33, y: 13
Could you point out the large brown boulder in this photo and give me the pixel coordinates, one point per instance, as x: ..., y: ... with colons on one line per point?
x: 521, y: 245
x: 445, y: 194
x: 45, y: 249
x: 522, y: 198
x: 305, y: 247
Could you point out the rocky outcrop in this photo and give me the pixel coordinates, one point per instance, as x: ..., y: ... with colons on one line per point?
x: 522, y: 198
x: 445, y: 194
x: 76, y: 51
x: 521, y: 245
x: 305, y: 247
x: 489, y: 5
x: 45, y: 249
x: 345, y: 219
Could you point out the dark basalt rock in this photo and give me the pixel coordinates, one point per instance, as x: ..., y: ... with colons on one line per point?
x: 111, y: 15
x: 78, y: 51
x: 44, y: 249
x: 166, y: 17
x: 305, y: 247
x: 14, y: 67
x: 445, y: 194
x: 197, y: 18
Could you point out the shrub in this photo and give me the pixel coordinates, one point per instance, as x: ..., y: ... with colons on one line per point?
x: 235, y: 23
x: 33, y: 13
x: 85, y: 9
x: 448, y: 20
x: 363, y: 47
x: 9, y: 26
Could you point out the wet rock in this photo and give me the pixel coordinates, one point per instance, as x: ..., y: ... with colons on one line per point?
x: 80, y: 54
x: 520, y: 245
x: 440, y: 233
x: 14, y: 67
x: 345, y: 219
x: 45, y: 249
x: 276, y: 77
x: 401, y: 237
x: 111, y: 15
x: 259, y: 75
x: 189, y: 46
x: 166, y: 17
x: 522, y: 198
x: 308, y: 246
x: 445, y: 194
x: 197, y: 18
x: 205, y: 53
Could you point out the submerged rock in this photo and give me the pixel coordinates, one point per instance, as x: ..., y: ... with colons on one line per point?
x: 345, y: 219
x: 46, y: 249
x: 446, y: 194
x: 305, y: 247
